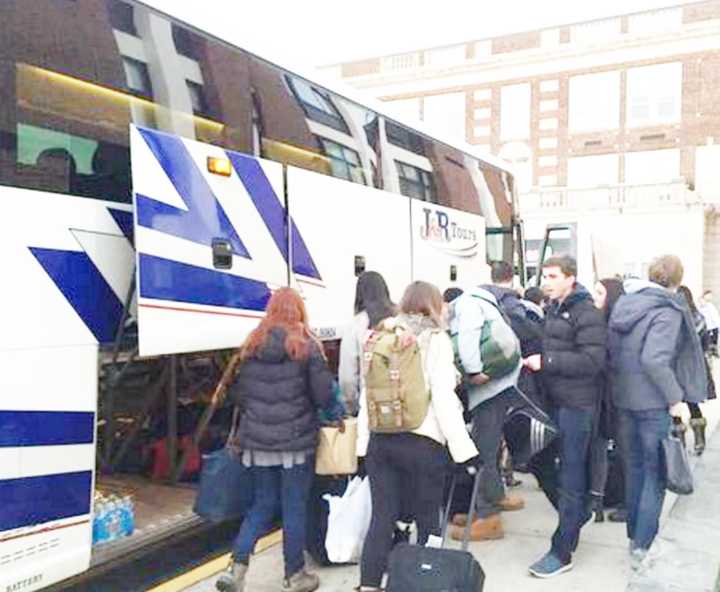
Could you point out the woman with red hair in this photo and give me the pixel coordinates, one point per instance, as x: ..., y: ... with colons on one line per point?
x: 282, y: 382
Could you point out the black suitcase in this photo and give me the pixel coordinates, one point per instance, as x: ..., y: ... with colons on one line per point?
x: 415, y: 568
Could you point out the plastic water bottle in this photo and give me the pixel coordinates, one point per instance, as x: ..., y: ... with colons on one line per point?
x: 114, y: 526
x: 100, y: 532
x: 127, y: 514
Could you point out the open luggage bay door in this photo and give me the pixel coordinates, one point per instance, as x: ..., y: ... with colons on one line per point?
x: 211, y: 240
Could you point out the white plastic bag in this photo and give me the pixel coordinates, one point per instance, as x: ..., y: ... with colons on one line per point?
x: 348, y: 522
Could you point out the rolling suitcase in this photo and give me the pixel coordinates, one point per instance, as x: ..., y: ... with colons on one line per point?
x: 415, y: 568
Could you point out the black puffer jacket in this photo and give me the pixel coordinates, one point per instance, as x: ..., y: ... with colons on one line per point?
x: 574, y: 351
x: 279, y: 397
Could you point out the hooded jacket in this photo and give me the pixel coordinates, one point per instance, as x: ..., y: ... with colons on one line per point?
x: 574, y: 351
x: 279, y: 397
x: 467, y: 317
x: 656, y: 359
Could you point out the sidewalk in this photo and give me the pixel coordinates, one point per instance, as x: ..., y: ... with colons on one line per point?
x: 601, y: 562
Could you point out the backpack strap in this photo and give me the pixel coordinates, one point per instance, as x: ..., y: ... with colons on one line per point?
x: 394, y: 375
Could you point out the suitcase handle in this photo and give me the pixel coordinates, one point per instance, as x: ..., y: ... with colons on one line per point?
x: 471, y: 509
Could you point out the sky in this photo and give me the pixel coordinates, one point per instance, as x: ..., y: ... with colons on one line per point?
x: 309, y: 34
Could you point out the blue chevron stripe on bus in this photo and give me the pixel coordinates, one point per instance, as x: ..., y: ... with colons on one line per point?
x: 205, y: 219
x: 165, y: 279
x: 84, y: 287
x: 273, y: 213
x: 46, y: 428
x: 34, y: 500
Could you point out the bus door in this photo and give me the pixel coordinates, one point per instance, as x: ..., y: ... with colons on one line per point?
x: 448, y: 246
x: 211, y: 239
x: 68, y: 265
x: 340, y: 230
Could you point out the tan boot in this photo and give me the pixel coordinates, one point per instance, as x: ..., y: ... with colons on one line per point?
x: 301, y: 581
x: 511, y: 503
x: 487, y: 529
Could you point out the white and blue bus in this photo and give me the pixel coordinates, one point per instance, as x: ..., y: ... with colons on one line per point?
x: 158, y: 184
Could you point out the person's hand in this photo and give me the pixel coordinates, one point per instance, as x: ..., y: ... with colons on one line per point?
x: 471, y: 465
x: 478, y: 379
x: 361, y: 471
x: 676, y: 410
x: 408, y: 339
x: 533, y: 363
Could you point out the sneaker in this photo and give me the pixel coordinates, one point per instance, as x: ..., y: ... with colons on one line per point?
x: 301, y: 581
x: 550, y: 565
x: 638, y: 557
x: 233, y: 579
x: 619, y: 515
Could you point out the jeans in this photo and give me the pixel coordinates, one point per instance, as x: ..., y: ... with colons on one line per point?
x: 640, y: 434
x: 599, y: 466
x: 277, y: 489
x: 576, y: 427
x: 487, y: 432
x: 398, y: 463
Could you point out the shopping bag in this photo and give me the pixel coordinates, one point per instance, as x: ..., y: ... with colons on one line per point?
x: 226, y: 487
x: 336, y: 450
x: 677, y: 466
x: 348, y: 522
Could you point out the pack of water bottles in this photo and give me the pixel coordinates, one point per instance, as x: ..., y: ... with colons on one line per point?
x: 114, y: 517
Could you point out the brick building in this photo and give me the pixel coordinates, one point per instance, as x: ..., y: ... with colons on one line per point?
x: 629, y: 99
x: 600, y: 118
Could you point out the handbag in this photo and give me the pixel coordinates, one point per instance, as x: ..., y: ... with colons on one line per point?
x: 226, y: 484
x: 679, y: 477
x: 336, y: 454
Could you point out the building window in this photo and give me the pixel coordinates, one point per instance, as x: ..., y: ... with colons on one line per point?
x: 416, y: 183
x: 122, y: 17
x: 344, y: 162
x: 654, y: 95
x: 594, y: 102
x: 445, y: 114
x: 317, y: 104
x: 652, y: 166
x: 519, y: 155
x: 138, y: 77
x: 197, y: 98
x: 593, y: 171
x: 402, y: 137
x: 515, y: 112
x: 184, y: 42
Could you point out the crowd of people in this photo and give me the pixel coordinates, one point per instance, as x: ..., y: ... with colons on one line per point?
x: 610, y: 371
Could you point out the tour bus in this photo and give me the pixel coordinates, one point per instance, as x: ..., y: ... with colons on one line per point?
x: 158, y: 184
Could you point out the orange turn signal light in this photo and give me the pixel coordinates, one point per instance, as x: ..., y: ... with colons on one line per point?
x: 219, y: 166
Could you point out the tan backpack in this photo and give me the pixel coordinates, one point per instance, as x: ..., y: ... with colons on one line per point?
x: 396, y: 395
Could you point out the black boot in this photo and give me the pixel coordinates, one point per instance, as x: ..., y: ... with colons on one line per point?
x: 698, y: 426
x: 597, y: 507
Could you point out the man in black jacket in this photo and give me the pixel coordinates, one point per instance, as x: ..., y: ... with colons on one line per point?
x: 570, y: 365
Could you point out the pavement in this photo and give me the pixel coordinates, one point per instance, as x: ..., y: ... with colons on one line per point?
x: 690, y: 539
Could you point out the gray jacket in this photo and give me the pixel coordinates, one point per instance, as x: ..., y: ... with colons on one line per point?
x: 656, y: 359
x: 467, y: 317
